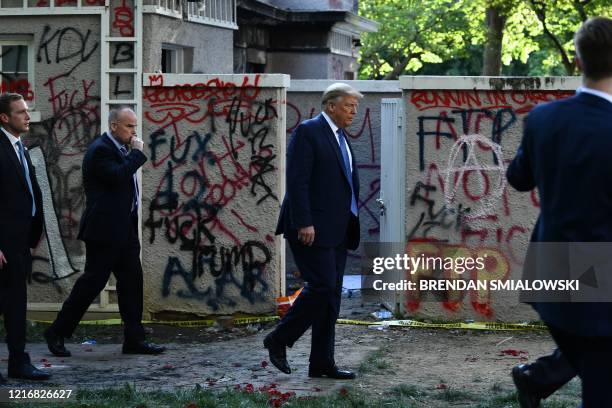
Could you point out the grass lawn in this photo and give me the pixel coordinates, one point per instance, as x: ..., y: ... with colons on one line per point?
x: 399, y: 396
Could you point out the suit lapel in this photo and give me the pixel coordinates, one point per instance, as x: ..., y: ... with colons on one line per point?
x: 10, y: 151
x: 106, y: 140
x: 331, y: 138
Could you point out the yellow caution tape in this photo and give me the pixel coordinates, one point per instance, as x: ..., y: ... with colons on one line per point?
x: 250, y: 320
x: 460, y: 325
x: 176, y: 323
x: 355, y: 322
x: 183, y: 323
x: 390, y: 323
x: 114, y: 322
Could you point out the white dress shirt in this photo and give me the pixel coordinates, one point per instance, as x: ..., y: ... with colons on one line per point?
x: 334, y: 129
x: 135, y: 176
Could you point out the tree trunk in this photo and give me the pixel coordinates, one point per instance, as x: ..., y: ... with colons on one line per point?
x: 493, y: 48
x: 399, y: 68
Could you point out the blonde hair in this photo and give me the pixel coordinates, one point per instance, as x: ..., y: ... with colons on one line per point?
x: 337, y: 90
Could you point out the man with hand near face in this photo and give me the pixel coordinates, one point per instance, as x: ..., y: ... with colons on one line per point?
x: 319, y: 219
x: 21, y: 221
x: 109, y: 228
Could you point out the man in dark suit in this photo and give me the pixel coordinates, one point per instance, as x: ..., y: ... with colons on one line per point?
x: 109, y: 228
x: 565, y: 153
x: 21, y: 220
x: 319, y: 219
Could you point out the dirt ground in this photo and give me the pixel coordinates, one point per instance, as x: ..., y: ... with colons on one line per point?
x: 428, y: 361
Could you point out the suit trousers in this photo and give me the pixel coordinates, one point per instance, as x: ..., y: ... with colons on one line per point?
x: 318, y: 305
x: 101, y: 259
x: 591, y: 357
x: 13, y: 300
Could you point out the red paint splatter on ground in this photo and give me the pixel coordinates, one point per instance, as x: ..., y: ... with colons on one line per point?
x: 513, y: 353
x: 276, y: 398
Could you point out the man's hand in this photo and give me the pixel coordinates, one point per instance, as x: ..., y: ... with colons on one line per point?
x: 137, y: 143
x: 2, y: 260
x: 306, y: 235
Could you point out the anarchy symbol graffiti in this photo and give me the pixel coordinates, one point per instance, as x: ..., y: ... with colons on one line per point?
x: 491, y: 181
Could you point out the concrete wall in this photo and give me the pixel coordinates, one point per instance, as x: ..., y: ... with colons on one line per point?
x: 211, y: 192
x: 212, y: 46
x: 65, y: 95
x: 468, y: 203
x: 304, y: 102
x: 309, y: 65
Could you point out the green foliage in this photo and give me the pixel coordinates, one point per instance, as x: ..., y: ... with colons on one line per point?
x: 447, y: 37
x: 412, y: 33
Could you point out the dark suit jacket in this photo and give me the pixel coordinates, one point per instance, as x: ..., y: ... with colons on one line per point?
x: 109, y: 189
x: 318, y: 191
x: 566, y: 152
x: 18, y: 230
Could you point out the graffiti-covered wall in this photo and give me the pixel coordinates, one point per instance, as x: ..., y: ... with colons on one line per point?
x: 461, y: 133
x: 211, y: 192
x: 304, y: 102
x: 64, y: 54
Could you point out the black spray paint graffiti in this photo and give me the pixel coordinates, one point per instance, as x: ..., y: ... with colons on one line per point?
x: 254, y: 129
x: 471, y: 122
x: 241, y: 267
x: 198, y: 194
x: 445, y: 218
x: 123, y: 57
x: 64, y: 135
x: 59, y: 47
x: 55, y: 265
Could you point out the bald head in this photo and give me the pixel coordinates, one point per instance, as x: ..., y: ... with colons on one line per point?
x: 122, y: 122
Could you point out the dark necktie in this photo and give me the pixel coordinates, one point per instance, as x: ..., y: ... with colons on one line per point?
x: 347, y: 169
x: 26, y: 173
x: 135, y: 182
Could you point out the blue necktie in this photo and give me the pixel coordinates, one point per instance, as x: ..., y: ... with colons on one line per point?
x: 26, y: 173
x: 135, y: 200
x: 347, y: 170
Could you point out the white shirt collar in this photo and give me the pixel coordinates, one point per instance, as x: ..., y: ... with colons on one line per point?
x: 331, y: 123
x: 595, y: 92
x: 115, y: 142
x: 12, y: 138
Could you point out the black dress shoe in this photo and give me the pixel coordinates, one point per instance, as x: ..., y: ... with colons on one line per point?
x: 25, y: 370
x: 333, y: 372
x: 521, y: 375
x: 142, y: 348
x: 277, y: 353
x: 55, y: 343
